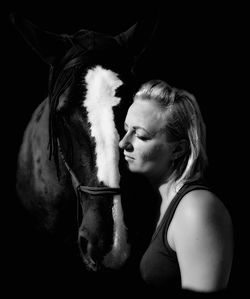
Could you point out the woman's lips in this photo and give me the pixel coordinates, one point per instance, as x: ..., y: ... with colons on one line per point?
x: 128, y: 158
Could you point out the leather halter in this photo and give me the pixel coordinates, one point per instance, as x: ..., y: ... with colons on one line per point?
x: 98, y: 190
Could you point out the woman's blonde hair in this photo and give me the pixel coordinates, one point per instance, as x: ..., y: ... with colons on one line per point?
x: 184, y: 122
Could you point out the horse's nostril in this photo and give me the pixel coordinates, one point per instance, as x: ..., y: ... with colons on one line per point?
x: 83, y: 244
x: 88, y: 251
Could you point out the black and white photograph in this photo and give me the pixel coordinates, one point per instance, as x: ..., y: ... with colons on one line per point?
x: 123, y: 149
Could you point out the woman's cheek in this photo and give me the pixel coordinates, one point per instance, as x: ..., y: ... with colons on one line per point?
x: 152, y: 153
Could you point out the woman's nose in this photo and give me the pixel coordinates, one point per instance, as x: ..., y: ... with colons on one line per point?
x: 125, y: 142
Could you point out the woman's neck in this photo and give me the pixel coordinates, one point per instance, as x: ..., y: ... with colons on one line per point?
x: 166, y: 187
x: 167, y: 192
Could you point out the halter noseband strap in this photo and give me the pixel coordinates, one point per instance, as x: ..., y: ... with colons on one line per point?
x: 99, y: 190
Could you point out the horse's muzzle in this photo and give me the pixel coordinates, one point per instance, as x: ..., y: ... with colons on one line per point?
x: 89, y: 253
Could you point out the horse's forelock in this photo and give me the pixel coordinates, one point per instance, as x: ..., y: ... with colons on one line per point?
x: 61, y: 77
x: 63, y: 81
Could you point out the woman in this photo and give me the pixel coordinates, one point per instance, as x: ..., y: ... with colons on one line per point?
x: 192, y: 246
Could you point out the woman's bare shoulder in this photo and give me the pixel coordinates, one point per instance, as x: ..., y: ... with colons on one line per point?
x: 202, y: 236
x: 201, y: 205
x: 201, y: 213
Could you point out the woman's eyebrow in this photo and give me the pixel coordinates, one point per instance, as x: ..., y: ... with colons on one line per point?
x: 138, y: 127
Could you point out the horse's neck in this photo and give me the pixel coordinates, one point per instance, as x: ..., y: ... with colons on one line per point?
x: 34, y: 155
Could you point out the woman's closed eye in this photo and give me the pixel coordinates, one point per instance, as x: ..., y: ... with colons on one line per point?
x: 138, y: 132
x: 141, y: 136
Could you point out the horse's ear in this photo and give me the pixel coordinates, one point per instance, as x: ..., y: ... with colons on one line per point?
x: 49, y: 46
x: 137, y: 38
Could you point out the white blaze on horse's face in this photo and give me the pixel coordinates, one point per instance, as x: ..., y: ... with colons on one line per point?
x: 100, y: 98
x: 101, y: 86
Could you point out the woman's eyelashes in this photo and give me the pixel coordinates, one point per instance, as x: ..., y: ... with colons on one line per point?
x: 137, y: 133
x: 141, y: 136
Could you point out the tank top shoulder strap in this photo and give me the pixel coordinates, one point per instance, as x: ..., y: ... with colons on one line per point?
x: 168, y: 216
x: 174, y: 204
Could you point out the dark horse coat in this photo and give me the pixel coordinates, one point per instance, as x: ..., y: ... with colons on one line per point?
x: 69, y: 157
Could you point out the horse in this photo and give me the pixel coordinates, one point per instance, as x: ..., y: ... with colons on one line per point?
x: 69, y: 160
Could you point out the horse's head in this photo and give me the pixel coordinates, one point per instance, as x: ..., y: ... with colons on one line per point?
x: 90, y: 86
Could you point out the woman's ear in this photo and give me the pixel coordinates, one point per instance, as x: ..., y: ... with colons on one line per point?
x: 181, y: 147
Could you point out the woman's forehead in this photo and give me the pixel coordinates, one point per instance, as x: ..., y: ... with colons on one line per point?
x: 146, y: 114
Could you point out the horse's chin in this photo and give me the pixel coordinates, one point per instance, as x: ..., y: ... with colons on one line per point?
x: 99, y: 267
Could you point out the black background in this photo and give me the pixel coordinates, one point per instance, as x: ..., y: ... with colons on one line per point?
x: 198, y: 47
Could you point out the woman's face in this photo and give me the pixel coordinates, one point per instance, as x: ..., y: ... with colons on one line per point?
x: 145, y: 145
